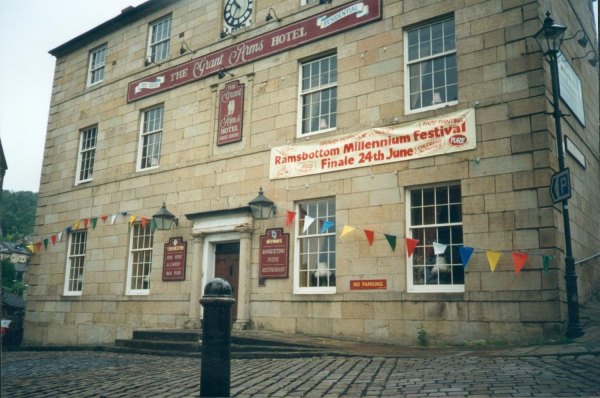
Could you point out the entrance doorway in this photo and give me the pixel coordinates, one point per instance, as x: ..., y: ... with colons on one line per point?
x: 227, y: 266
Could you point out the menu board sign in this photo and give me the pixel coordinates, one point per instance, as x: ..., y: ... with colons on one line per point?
x: 231, y: 113
x: 274, y: 251
x: 174, y: 260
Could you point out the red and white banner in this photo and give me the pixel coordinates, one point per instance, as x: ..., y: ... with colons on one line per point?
x: 439, y: 135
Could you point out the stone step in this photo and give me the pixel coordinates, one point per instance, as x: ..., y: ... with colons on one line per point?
x: 193, y: 335
x: 164, y: 345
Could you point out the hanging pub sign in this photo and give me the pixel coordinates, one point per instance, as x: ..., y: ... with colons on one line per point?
x: 274, y: 250
x: 450, y: 133
x: 327, y: 23
x: 231, y: 113
x: 174, y: 260
x: 368, y: 284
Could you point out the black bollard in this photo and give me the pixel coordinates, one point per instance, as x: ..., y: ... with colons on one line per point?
x: 215, y: 374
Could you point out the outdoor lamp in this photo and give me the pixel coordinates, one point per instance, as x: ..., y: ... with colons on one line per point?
x: 223, y: 72
x: 270, y: 17
x: 550, y: 36
x: 261, y: 206
x: 182, y: 50
x: 164, y: 219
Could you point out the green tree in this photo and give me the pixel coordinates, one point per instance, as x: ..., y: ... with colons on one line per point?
x: 17, y: 214
x: 8, y: 273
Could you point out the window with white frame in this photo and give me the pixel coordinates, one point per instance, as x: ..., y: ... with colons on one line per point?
x: 87, y: 154
x: 159, y: 39
x: 150, y: 138
x: 431, y: 76
x: 96, y: 65
x: 318, y: 95
x: 305, y: 2
x: 315, y: 251
x: 435, y: 215
x: 140, y: 259
x: 22, y: 259
x: 75, y: 262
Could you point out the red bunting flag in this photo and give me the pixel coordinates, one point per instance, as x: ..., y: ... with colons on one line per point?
x: 104, y: 218
x: 410, y: 246
x: 289, y: 218
x: 144, y: 221
x: 53, y: 237
x: 39, y: 246
x: 519, y: 260
x: 370, y: 236
x: 85, y: 222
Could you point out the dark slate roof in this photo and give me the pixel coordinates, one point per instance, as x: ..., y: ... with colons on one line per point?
x: 127, y: 16
x: 9, y: 247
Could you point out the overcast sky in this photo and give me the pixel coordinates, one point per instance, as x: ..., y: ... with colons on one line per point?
x: 29, y: 29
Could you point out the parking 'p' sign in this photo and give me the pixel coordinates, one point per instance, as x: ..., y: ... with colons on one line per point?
x: 560, y: 186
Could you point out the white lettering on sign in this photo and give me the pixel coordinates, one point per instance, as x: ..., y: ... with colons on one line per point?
x: 179, y: 75
x: 286, y: 37
x: 203, y: 65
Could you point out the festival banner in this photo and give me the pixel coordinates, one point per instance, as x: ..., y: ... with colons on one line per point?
x: 438, y: 135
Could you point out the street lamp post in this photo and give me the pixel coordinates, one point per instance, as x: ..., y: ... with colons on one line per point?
x: 550, y: 37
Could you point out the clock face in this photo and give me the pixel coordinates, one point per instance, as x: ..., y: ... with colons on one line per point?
x: 237, y: 13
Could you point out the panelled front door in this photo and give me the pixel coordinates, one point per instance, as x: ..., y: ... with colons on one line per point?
x: 227, y: 266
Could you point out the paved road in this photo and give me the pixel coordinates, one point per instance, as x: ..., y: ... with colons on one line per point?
x: 103, y: 374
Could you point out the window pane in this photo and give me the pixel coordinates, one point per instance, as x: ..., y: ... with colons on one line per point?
x: 413, y: 37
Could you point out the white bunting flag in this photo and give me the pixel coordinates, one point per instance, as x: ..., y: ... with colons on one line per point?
x: 307, y: 222
x: 112, y: 218
x: 439, y: 248
x: 60, y: 236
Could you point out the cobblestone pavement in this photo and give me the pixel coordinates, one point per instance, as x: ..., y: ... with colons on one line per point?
x: 101, y: 374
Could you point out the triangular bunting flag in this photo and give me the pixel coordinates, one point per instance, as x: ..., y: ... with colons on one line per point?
x: 104, y: 218
x: 465, y: 254
x: 53, y: 237
x: 60, y: 236
x: 144, y: 221
x: 493, y: 258
x: 546, y: 262
x: 326, y: 226
x: 30, y: 247
x: 439, y: 248
x: 38, y: 246
x: 112, y: 218
x: 370, y: 236
x: 392, y: 241
x: 307, y: 222
x: 410, y: 246
x: 85, y: 222
x: 94, y: 221
x: 123, y: 213
x: 46, y: 243
x: 289, y: 217
x: 68, y: 229
x: 347, y: 229
x: 519, y: 260
x: 76, y: 226
x: 132, y: 220
x: 153, y: 225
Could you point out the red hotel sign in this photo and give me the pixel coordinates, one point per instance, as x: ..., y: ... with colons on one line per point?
x: 231, y: 113
x: 274, y: 249
x: 174, y: 260
x: 373, y: 284
x: 332, y: 21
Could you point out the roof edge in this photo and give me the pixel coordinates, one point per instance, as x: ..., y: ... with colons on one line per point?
x: 128, y: 15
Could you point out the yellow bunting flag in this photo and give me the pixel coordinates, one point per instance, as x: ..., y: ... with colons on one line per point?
x: 30, y: 247
x: 132, y: 220
x: 347, y: 229
x: 76, y: 226
x: 493, y: 258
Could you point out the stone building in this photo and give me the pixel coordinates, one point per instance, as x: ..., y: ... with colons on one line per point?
x: 377, y: 120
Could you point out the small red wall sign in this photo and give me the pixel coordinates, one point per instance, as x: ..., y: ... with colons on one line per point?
x: 369, y: 284
x: 174, y: 260
x: 231, y: 113
x: 274, y: 250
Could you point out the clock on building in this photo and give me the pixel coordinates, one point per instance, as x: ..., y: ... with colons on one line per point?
x: 237, y: 14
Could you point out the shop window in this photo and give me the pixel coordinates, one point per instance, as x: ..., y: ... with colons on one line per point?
x: 87, y: 155
x: 318, y: 95
x: 96, y: 66
x: 430, y: 65
x: 435, y: 215
x: 159, y: 39
x: 150, y: 138
x: 140, y: 259
x: 75, y: 262
x: 315, y: 251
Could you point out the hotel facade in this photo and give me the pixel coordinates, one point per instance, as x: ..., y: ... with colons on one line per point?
x: 406, y: 145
